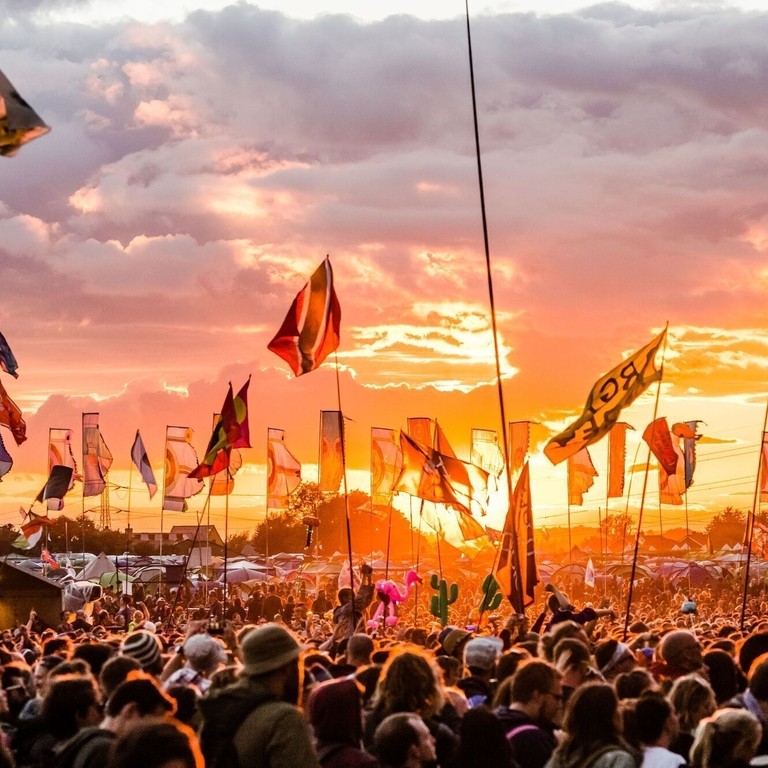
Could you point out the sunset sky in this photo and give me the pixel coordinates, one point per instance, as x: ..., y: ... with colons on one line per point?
x: 203, y: 164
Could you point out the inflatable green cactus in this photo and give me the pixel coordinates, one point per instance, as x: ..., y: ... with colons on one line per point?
x: 491, y: 595
x: 438, y: 605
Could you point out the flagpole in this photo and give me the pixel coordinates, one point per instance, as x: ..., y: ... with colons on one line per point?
x: 751, y: 521
x: 226, y: 536
x: 645, y: 487
x: 128, y: 525
x: 514, y: 553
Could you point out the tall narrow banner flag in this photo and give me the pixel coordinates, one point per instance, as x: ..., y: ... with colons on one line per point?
x: 486, y: 452
x: 57, y: 485
x: 6, y: 462
x: 283, y: 470
x: 581, y: 476
x: 764, y: 469
x: 611, y: 393
x: 589, y: 574
x: 19, y: 122
x: 672, y: 486
x: 687, y: 430
x: 659, y: 440
x: 10, y: 416
x: 386, y: 464
x: 617, y: 459
x: 516, y: 571
x: 519, y: 443
x: 230, y: 432
x: 97, y: 458
x: 31, y: 530
x: 331, y: 464
x: 180, y: 460
x: 141, y: 460
x: 60, y: 453
x: 310, y: 331
x: 7, y: 360
x: 420, y: 430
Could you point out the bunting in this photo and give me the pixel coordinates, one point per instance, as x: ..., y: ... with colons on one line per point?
x: 10, y: 415
x: 519, y: 443
x: 97, y: 458
x: 581, y: 476
x: 19, y: 123
x: 180, y: 460
x: 141, y: 460
x: 386, y: 464
x: 611, y: 393
x: 331, y: 464
x: 7, y: 360
x: 231, y: 431
x: 310, y: 331
x: 283, y: 470
x: 659, y: 440
x: 517, y: 575
x: 617, y: 459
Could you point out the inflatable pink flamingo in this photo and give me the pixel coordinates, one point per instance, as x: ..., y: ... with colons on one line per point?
x: 389, y: 596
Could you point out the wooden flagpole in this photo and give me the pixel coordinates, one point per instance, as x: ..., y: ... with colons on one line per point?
x: 645, y: 487
x: 751, y: 522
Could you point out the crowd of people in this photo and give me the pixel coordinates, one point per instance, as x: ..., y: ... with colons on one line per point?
x: 291, y: 675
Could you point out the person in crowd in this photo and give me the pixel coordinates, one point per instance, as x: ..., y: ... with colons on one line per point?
x: 480, y: 657
x: 202, y: 655
x: 482, y: 742
x: 656, y: 727
x: 693, y: 699
x: 729, y: 738
x: 162, y: 743
x: 403, y: 740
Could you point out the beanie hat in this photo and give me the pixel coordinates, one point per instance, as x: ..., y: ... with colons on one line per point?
x: 204, y: 652
x: 268, y: 648
x: 482, y: 652
x: 142, y: 646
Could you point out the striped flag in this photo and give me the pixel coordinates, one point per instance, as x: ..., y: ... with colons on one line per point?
x: 310, y: 331
x: 141, y: 460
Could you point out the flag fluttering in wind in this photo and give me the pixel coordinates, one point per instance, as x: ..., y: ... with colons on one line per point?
x: 97, y: 458
x: 611, y: 393
x: 617, y: 459
x: 386, y: 464
x: 659, y: 440
x: 10, y: 416
x: 7, y: 360
x: 519, y: 442
x: 516, y: 571
x: 486, y: 452
x: 581, y: 476
x: 589, y: 574
x: 672, y: 487
x: 310, y: 331
x: 58, y: 483
x: 283, y: 470
x: 6, y: 461
x: 141, y: 460
x: 465, y: 478
x: 687, y: 430
x: 223, y: 483
x: 48, y: 559
x: 331, y: 464
x: 180, y: 460
x: 31, y: 530
x: 420, y: 430
x: 230, y: 432
x: 19, y: 123
x: 60, y: 453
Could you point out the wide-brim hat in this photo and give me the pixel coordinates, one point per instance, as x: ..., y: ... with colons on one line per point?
x: 268, y: 648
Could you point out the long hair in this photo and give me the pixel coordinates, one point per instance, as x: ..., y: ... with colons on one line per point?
x: 692, y: 697
x: 727, y: 736
x: 591, y: 725
x: 409, y: 682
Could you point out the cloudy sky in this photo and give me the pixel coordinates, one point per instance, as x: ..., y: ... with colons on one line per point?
x: 201, y: 165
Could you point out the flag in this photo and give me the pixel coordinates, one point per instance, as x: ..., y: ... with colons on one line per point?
x: 420, y: 430
x: 589, y: 574
x: 386, y: 464
x: 659, y: 440
x: 310, y: 331
x: 7, y: 360
x: 519, y: 442
x: 10, y: 414
x: 283, y: 470
x: 611, y: 392
x: 31, y: 530
x: 223, y: 483
x: 672, y: 486
x: 6, y: 462
x: 60, y: 452
x: 764, y: 469
x: 19, y: 123
x: 516, y: 574
x: 57, y: 485
x: 466, y: 479
x: 230, y: 432
x: 97, y: 458
x: 141, y: 460
x: 331, y: 464
x: 486, y: 452
x: 180, y: 460
x: 453, y: 524
x: 687, y: 431
x: 581, y: 476
x: 47, y: 558
x: 617, y: 458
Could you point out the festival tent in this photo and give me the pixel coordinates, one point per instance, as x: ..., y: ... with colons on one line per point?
x: 97, y: 568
